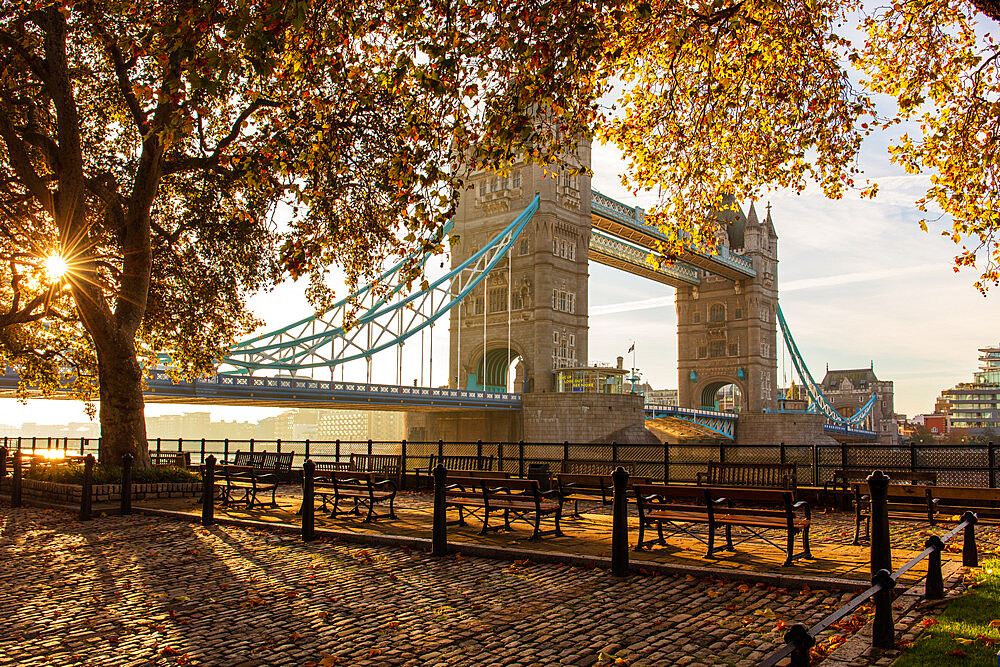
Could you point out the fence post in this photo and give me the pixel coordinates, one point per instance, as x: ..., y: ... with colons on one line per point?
x: 970, y: 556
x: 783, y: 458
x: 798, y: 635
x: 308, y: 508
x: 15, y: 481
x: 126, y: 496
x: 722, y: 452
x: 336, y: 450
x: 619, y: 524
x: 157, y: 449
x: 991, y: 456
x: 225, y: 450
x: 614, y: 451
x: 565, y: 450
x: 3, y: 462
x: 520, y: 458
x: 500, y: 456
x: 479, y: 452
x: 439, y: 538
x: 843, y: 456
x: 913, y: 456
x: 307, y: 447
x: 278, y: 444
x: 883, y: 629
x: 369, y: 451
x: 180, y: 445
x: 440, y: 449
x: 33, y: 439
x: 208, y: 492
x: 251, y: 445
x: 815, y: 465
x: 202, y: 457
x: 88, y: 488
x: 881, y: 554
x: 402, y: 464
x: 934, y: 584
x: 666, y: 462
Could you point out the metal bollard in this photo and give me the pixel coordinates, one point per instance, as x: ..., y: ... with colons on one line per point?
x: 3, y: 462
x: 883, y: 628
x: 799, y: 635
x: 439, y: 538
x: 126, y: 500
x: 308, y: 508
x: 208, y: 492
x: 88, y: 488
x: 881, y: 552
x: 619, y: 524
x: 934, y: 584
x: 15, y: 481
x: 970, y: 555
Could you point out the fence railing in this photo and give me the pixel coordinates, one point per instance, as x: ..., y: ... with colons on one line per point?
x: 974, y: 465
x: 799, y: 639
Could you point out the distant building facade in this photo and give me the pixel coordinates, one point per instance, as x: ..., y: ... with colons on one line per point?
x: 974, y: 407
x: 361, y: 425
x: 848, y: 390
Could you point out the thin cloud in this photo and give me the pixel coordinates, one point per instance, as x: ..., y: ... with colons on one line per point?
x: 857, y: 277
x: 627, y: 306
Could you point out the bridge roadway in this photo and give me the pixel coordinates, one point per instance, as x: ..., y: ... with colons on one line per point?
x: 286, y: 392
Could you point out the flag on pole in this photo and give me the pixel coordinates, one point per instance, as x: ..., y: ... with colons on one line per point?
x: 631, y: 348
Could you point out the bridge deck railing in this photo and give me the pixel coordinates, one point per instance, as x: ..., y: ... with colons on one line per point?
x: 975, y: 465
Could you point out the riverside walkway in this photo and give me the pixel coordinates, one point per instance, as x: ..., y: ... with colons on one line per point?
x: 145, y: 590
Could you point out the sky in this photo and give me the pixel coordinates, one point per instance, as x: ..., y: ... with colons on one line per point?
x: 859, y: 284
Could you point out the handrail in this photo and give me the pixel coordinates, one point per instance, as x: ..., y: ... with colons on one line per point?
x: 799, y: 639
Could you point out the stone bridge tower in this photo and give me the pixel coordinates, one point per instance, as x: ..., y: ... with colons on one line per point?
x: 546, y: 275
x: 727, y: 330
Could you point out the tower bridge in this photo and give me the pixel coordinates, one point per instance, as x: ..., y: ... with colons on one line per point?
x: 516, y: 304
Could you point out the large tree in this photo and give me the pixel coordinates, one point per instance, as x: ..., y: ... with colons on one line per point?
x: 737, y: 96
x: 145, y: 148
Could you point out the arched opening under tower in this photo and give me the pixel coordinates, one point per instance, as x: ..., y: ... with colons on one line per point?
x: 722, y: 397
x: 502, y: 371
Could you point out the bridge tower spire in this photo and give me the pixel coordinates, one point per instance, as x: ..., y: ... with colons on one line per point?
x: 727, y: 329
x: 545, y: 276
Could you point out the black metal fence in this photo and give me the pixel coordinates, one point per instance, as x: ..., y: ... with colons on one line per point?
x: 973, y: 465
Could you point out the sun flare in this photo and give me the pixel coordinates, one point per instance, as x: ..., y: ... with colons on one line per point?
x: 55, y: 267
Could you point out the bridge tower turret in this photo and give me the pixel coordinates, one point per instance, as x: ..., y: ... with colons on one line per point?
x: 546, y: 276
x: 727, y: 330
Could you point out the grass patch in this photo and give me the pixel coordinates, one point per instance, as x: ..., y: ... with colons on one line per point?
x: 103, y: 474
x: 961, y: 634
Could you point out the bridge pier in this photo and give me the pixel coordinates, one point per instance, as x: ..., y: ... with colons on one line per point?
x: 763, y: 428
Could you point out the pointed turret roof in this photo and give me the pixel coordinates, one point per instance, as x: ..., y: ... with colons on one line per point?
x: 731, y: 215
x: 769, y: 224
x: 752, y: 218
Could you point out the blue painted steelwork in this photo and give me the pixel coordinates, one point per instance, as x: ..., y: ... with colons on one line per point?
x: 305, y: 392
x: 849, y: 431
x: 387, y: 321
x: 719, y: 423
x: 817, y: 400
x: 621, y: 255
x: 634, y: 218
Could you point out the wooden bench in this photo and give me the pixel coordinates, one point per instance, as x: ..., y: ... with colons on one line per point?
x: 904, y: 502
x: 749, y: 475
x: 180, y: 459
x: 389, y: 466
x: 460, y: 463
x: 839, y: 487
x: 518, y: 499
x: 364, y: 490
x: 576, y: 487
x: 952, y: 501
x: 278, y: 464
x: 234, y: 479
x: 685, y: 506
x: 327, y: 466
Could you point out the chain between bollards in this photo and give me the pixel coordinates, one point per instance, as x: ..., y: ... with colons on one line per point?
x: 208, y: 492
x: 439, y: 537
x: 308, y: 508
x: 619, y: 523
x: 126, y: 493
x: 86, y: 496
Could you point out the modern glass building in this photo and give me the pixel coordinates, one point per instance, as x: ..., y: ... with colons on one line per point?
x: 975, y: 406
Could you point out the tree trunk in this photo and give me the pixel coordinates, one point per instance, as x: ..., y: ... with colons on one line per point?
x: 123, y: 422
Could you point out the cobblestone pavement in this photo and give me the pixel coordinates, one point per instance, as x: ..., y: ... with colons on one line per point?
x: 150, y: 591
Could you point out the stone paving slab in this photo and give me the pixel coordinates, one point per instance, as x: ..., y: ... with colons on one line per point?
x: 831, y: 537
x: 145, y: 590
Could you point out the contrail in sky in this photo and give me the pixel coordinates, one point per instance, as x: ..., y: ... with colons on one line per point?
x: 791, y: 286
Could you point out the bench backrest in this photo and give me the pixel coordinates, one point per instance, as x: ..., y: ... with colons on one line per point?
x: 388, y: 465
x: 596, y: 481
x: 462, y: 462
x: 674, y: 493
x: 957, y: 495
x: 753, y: 496
x: 326, y: 466
x: 898, y: 493
x: 348, y: 476
x: 182, y: 459
x: 595, y: 467
x: 757, y: 475
x: 265, y: 461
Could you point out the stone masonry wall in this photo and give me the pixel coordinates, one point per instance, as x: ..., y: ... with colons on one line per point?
x: 579, y: 417
x: 33, y: 489
x: 789, y: 428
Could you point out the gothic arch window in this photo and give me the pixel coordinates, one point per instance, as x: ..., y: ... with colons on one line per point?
x: 717, y: 313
